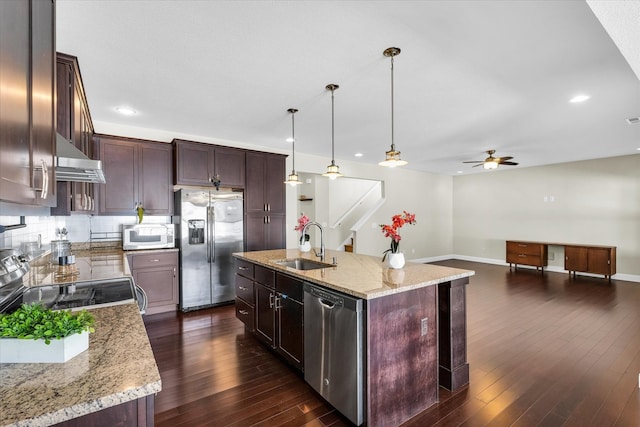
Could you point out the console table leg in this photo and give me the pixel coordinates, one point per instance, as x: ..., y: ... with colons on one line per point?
x: 453, y: 371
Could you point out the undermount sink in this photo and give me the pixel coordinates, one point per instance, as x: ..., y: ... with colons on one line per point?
x: 303, y: 264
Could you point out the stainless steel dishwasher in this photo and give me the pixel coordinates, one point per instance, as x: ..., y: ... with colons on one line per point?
x: 333, y: 349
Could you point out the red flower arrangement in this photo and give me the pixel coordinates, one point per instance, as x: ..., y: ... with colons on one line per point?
x: 397, y: 221
x: 302, y: 221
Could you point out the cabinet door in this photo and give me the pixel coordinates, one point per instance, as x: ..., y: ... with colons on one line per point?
x: 14, y: 102
x: 155, y: 178
x: 575, y: 258
x: 275, y: 232
x: 193, y: 163
x: 274, y: 184
x: 42, y: 102
x: 290, y: 342
x: 265, y: 314
x: 229, y: 167
x: 160, y: 285
x: 599, y: 261
x: 119, y: 162
x: 255, y: 239
x: 255, y: 183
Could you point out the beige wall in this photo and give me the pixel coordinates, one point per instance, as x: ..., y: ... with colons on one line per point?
x: 429, y: 196
x: 590, y: 202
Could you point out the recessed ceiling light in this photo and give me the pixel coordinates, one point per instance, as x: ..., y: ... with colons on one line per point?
x: 460, y: 172
x: 289, y: 139
x: 579, y: 98
x: 638, y: 148
x: 127, y: 111
x: 358, y: 154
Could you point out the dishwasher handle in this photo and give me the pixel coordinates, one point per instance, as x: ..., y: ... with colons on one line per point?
x: 327, y: 304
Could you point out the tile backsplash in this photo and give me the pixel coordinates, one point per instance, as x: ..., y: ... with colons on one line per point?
x: 80, y: 228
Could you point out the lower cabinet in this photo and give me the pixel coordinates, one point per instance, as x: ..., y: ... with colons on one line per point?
x: 590, y: 259
x: 157, y: 274
x: 277, y: 314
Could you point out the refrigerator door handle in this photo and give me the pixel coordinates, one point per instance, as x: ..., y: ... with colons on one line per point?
x: 212, y: 234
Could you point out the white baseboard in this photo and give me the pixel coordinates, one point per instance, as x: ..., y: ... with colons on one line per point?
x: 556, y: 269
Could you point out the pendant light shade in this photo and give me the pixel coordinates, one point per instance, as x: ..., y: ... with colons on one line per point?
x: 293, y: 178
x: 392, y: 156
x: 333, y: 170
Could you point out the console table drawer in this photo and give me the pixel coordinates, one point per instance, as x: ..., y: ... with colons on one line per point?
x: 525, y: 248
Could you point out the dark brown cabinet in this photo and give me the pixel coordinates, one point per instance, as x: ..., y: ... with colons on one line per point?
x: 137, y: 172
x: 204, y: 164
x: 157, y: 274
x: 245, y: 296
x: 27, y: 140
x: 265, y: 219
x: 590, y: 259
x: 73, y: 122
x: 275, y: 309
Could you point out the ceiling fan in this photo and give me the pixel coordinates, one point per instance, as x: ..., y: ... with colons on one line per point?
x: 493, y: 162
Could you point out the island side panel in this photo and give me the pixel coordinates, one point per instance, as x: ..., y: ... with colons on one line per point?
x: 402, y: 365
x: 452, y: 324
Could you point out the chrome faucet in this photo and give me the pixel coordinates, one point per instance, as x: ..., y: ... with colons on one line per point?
x: 304, y: 231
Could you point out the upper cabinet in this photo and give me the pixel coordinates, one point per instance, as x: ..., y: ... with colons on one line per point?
x: 73, y: 122
x: 137, y: 172
x: 205, y: 164
x: 27, y: 139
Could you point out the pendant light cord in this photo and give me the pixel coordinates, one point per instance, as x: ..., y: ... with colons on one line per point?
x: 393, y: 145
x: 332, y: 131
x: 293, y: 146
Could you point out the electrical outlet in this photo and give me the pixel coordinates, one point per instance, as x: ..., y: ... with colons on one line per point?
x: 424, y: 326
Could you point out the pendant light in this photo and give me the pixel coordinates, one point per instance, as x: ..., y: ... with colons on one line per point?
x: 333, y: 170
x: 392, y: 156
x: 293, y: 178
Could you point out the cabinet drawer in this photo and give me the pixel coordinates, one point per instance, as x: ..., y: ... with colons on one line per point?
x: 244, y: 268
x: 154, y: 260
x: 265, y: 276
x: 244, y: 289
x: 290, y: 287
x: 245, y: 313
x: 525, y: 259
x: 524, y: 248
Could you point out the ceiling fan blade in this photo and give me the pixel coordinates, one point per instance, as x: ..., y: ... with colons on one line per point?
x: 474, y: 161
x: 479, y: 164
x: 508, y: 163
x: 503, y: 159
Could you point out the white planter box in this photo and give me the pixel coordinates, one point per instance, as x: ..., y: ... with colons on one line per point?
x: 14, y: 350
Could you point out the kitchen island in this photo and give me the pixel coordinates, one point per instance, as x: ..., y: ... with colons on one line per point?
x: 414, y: 323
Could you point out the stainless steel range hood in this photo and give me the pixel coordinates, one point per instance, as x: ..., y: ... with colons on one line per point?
x: 73, y: 165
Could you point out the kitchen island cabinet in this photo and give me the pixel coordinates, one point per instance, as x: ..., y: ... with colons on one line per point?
x: 402, y: 311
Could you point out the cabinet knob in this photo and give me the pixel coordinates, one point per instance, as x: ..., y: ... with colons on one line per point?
x: 243, y: 312
x: 243, y: 268
x: 242, y: 288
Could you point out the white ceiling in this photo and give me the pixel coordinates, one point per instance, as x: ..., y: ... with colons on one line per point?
x: 472, y: 76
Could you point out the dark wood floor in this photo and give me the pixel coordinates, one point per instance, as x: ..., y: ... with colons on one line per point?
x: 544, y: 350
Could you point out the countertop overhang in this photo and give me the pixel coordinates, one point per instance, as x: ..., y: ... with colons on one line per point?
x: 362, y: 276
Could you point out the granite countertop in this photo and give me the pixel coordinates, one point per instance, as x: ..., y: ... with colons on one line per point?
x: 362, y: 276
x: 92, y: 265
x: 118, y: 367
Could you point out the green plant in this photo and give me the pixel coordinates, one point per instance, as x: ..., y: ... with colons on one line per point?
x: 33, y: 321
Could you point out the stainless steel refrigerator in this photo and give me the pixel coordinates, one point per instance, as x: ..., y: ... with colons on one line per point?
x: 210, y: 229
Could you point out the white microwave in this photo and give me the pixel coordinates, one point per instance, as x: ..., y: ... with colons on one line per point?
x: 148, y: 236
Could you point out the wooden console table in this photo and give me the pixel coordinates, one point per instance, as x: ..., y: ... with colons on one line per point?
x: 594, y: 259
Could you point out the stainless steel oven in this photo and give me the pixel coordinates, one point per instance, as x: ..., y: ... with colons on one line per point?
x: 148, y: 236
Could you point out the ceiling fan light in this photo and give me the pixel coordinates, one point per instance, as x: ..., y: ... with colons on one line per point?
x: 333, y: 171
x: 491, y: 165
x: 392, y: 159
